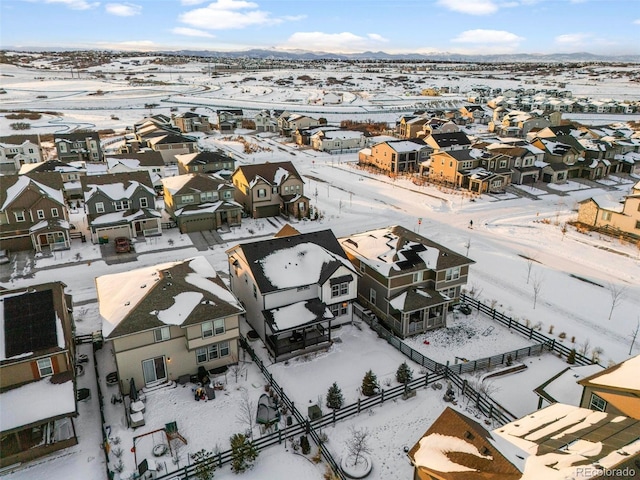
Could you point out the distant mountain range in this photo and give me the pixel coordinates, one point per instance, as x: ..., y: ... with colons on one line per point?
x: 273, y: 54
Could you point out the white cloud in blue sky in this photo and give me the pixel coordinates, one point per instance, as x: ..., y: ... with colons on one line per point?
x: 123, y: 9
x: 76, y: 4
x: 227, y: 15
x: 343, y: 42
x: 191, y: 32
x: 471, y: 7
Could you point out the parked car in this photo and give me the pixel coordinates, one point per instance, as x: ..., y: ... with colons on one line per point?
x: 123, y: 245
x: 4, y: 256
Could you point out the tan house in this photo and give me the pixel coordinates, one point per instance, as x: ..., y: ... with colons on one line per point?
x: 205, y: 162
x: 33, y: 213
x: 270, y: 189
x: 446, y: 166
x: 615, y: 390
x: 338, y: 141
x: 37, y: 373
x: 606, y: 212
x: 408, y: 281
x: 395, y: 156
x: 198, y: 202
x: 166, y: 321
x: 410, y: 125
x: 192, y: 122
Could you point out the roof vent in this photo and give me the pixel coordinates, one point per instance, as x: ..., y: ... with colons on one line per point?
x: 143, y: 285
x: 127, y: 304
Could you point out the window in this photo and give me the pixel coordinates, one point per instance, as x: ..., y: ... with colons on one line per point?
x: 19, y: 216
x: 227, y: 194
x: 363, y: 267
x: 161, y: 334
x: 99, y: 207
x: 201, y: 355
x: 186, y: 199
x: 218, y: 326
x: 255, y: 292
x: 208, y: 196
x: 212, y: 352
x: 286, y: 189
x: 339, y: 289
x: 262, y: 193
x: 452, y: 274
x: 215, y: 327
x: 207, y: 329
x: 275, y: 189
x: 40, y: 214
x: 449, y: 292
x: 301, y: 206
x: 597, y: 403
x: 54, y: 212
x: 338, y: 309
x: 637, y: 224
x: 503, y: 164
x: 45, y: 368
x: 606, y: 216
x: 121, y: 205
x: 372, y: 296
x: 144, y: 203
x: 417, y: 276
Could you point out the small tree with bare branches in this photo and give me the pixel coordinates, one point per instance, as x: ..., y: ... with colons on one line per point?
x: 616, y: 293
x: 536, y: 285
x: 246, y: 413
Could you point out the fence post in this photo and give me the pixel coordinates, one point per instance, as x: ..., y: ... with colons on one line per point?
x: 510, y: 319
x: 464, y: 385
x: 491, y: 410
x: 493, y: 313
x: 358, y: 405
x: 426, y: 380
x: 334, y: 416
x: 478, y: 399
x: 279, y: 436
x: 529, y: 351
x: 553, y: 344
x: 382, y: 396
x: 530, y: 333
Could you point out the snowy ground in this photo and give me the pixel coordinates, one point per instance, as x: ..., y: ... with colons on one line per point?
x: 575, y: 272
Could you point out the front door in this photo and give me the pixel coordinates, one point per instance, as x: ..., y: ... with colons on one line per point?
x: 154, y: 370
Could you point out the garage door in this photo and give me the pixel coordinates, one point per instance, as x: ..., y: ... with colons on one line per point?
x: 112, y: 232
x: 268, y: 211
x: 197, y: 224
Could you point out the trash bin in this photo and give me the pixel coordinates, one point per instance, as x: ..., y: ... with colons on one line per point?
x: 103, y: 240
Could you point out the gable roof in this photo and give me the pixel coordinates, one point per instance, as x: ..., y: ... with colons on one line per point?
x: 177, y: 293
x: 396, y: 249
x: 297, y: 260
x: 449, y: 139
x: 272, y: 173
x: 76, y: 137
x: 116, y: 186
x: 146, y: 159
x: 193, y: 183
x: 49, y: 184
x: 623, y: 376
x: 203, y: 158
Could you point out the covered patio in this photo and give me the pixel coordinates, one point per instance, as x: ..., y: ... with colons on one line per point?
x: 52, y: 233
x: 417, y: 310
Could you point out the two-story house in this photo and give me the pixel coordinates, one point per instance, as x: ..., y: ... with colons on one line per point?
x: 448, y: 166
x: 447, y: 141
x: 605, y: 211
x: 409, y: 125
x: 206, y: 162
x: 78, y: 146
x: 396, y: 156
x: 295, y: 287
x: 266, y: 121
x: 12, y: 157
x: 120, y: 205
x: 270, y: 189
x: 408, y: 281
x: 230, y: 119
x: 192, y: 122
x: 150, y: 161
x: 290, y: 122
x: 167, y: 320
x: 525, y: 158
x: 33, y: 213
x: 70, y: 174
x: 338, y: 141
x: 37, y: 373
x: 197, y: 202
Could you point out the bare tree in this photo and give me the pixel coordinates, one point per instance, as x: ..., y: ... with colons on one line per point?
x: 536, y: 285
x: 237, y: 369
x: 483, y: 385
x: 634, y: 334
x: 468, y: 245
x: 616, y: 293
x: 530, y: 261
x: 358, y: 443
x: 584, y: 347
x: 246, y: 414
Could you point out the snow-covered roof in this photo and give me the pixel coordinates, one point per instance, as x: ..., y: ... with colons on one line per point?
x: 564, y: 387
x: 115, y: 190
x: 625, y: 375
x: 22, y: 184
x: 295, y: 315
x: 609, y: 202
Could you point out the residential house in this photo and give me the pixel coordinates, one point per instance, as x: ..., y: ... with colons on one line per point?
x: 266, y: 121
x: 475, y: 114
x: 606, y: 211
x: 166, y: 321
x: 396, y: 156
x: 12, y: 157
x: 526, y: 161
x: 290, y: 122
x: 206, y: 162
x: 33, y: 213
x: 558, y: 442
x: 197, y: 202
x: 161, y: 137
x: 270, y: 189
x: 448, y: 141
x: 192, y: 122
x: 408, y: 281
x: 83, y: 146
x: 229, y: 120
x: 563, y: 387
x: 562, y: 157
x: 295, y: 288
x: 302, y: 136
x: 70, y: 173
x: 120, y: 205
x: 37, y: 373
x: 150, y: 161
x: 438, y: 125
x: 410, y: 125
x: 615, y: 390
x: 338, y: 141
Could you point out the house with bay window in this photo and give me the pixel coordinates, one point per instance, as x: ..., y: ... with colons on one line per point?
x: 167, y: 320
x: 37, y: 373
x: 408, y: 281
x: 295, y: 287
x: 120, y: 205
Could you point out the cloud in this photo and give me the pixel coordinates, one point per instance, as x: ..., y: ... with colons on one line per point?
x: 191, y: 32
x: 123, y: 9
x: 637, y: 22
x: 344, y: 42
x: 488, y: 37
x: 582, y: 41
x: 473, y: 7
x: 134, y: 45
x: 76, y: 4
x: 228, y: 14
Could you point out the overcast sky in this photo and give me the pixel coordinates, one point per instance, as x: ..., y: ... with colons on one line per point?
x: 609, y: 27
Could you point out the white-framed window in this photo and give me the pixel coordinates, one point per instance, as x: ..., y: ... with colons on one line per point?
x: 363, y: 267
x: 45, y: 367
x: 207, y: 329
x: 339, y: 309
x: 417, y: 276
x: 452, y: 274
x: 120, y: 205
x: 301, y: 206
x: 286, y: 189
x: 201, y: 355
x: 40, y: 214
x: 54, y: 212
x: 597, y: 403
x: 339, y: 289
x: 186, y: 199
x: 208, y: 196
x: 99, y: 207
x: 143, y: 202
x: 606, y: 216
x: 227, y: 194
x: 262, y: 193
x: 449, y: 292
x: 161, y: 334
x: 19, y: 216
x: 372, y: 296
x: 215, y: 327
x: 275, y: 189
x: 212, y: 352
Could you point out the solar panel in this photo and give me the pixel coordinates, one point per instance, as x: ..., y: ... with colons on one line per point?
x: 29, y: 323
